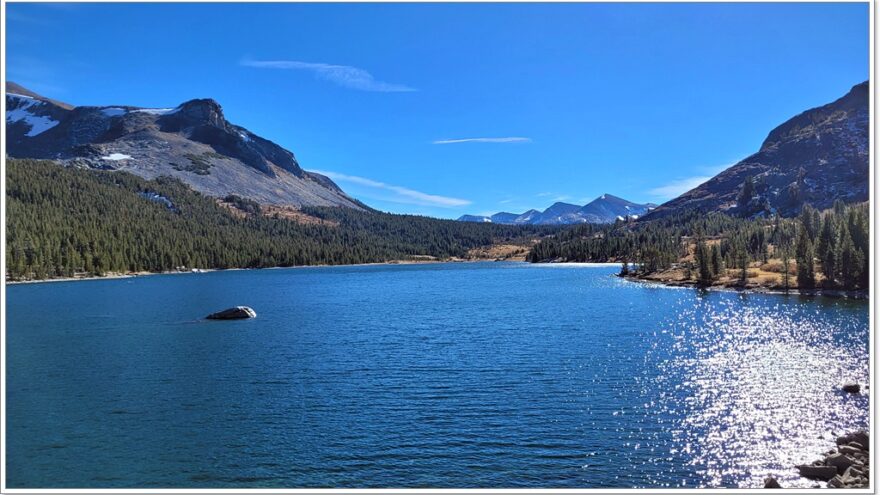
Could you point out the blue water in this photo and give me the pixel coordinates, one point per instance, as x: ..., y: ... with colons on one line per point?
x: 443, y: 375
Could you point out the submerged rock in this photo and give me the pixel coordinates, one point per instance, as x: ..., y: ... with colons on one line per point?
x: 852, y: 388
x: 236, y: 313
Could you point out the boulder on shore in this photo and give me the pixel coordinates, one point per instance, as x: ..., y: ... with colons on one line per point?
x: 840, y: 461
x: 824, y: 473
x: 236, y: 313
x: 860, y: 437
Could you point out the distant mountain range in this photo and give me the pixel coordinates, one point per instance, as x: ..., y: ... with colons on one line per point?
x: 813, y: 158
x: 604, y: 209
x: 192, y: 142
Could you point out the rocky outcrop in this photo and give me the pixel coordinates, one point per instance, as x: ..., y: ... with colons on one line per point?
x: 236, y: 313
x: 816, y: 157
x: 192, y: 142
x: 848, y: 466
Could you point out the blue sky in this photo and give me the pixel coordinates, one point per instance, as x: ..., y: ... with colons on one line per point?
x: 445, y: 109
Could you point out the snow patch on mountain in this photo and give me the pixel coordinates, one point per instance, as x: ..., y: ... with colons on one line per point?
x: 158, y: 111
x: 38, y: 123
x: 116, y: 157
x: 113, y: 111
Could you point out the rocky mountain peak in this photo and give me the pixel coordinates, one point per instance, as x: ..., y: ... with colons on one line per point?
x: 815, y: 158
x: 805, y: 124
x: 192, y: 142
x: 200, y: 111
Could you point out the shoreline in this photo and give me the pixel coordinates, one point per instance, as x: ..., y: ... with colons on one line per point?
x: 831, y: 293
x: 116, y: 276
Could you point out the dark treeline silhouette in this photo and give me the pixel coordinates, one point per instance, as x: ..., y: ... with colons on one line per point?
x: 63, y: 221
x: 833, y: 243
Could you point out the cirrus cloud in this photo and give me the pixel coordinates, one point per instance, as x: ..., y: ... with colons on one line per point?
x: 485, y: 140
x: 399, y: 194
x: 341, y: 75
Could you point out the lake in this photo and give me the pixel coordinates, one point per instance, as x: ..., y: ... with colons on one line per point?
x: 439, y: 375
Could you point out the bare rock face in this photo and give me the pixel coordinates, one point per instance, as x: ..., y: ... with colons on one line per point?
x: 814, y: 158
x: 192, y: 142
x: 236, y: 313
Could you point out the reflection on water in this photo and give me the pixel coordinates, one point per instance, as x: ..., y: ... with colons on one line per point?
x: 449, y: 375
x: 761, y: 386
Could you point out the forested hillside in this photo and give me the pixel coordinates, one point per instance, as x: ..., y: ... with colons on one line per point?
x: 62, y: 221
x: 826, y: 249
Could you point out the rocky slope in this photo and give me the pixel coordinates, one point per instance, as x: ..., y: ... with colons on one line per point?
x: 604, y: 209
x: 192, y: 142
x: 816, y: 157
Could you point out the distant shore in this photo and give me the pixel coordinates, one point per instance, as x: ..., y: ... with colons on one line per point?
x: 116, y: 275
x: 753, y: 289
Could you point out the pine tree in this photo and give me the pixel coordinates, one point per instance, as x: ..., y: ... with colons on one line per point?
x: 716, y: 263
x: 806, y: 278
x: 825, y: 249
x: 786, y: 264
x: 704, y: 264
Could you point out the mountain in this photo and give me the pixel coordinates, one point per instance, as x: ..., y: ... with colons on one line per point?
x: 813, y: 158
x: 559, y: 213
x: 608, y: 208
x: 604, y: 209
x: 192, y: 142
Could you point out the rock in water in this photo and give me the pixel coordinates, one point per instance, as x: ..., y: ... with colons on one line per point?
x: 236, y: 313
x: 817, y: 472
x: 860, y: 437
x: 852, y: 388
x: 771, y: 483
x: 840, y: 461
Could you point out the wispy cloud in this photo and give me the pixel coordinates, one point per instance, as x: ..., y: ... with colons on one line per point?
x: 555, y: 197
x: 341, y: 75
x: 677, y: 187
x: 680, y: 186
x: 485, y: 140
x: 399, y: 194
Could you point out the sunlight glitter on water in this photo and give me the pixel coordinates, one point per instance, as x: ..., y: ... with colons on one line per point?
x: 763, y: 391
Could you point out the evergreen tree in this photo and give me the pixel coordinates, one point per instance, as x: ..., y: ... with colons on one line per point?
x: 826, y: 248
x: 704, y: 263
x: 806, y: 278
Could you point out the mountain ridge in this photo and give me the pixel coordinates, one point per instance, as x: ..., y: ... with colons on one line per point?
x: 193, y: 142
x: 606, y: 208
x: 815, y: 157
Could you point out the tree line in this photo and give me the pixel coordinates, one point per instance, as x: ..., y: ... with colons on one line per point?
x: 828, y: 249
x: 63, y: 221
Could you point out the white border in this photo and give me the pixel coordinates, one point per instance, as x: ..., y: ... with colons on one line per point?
x: 872, y: 305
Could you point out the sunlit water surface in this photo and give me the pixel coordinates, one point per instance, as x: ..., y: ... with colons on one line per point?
x: 447, y: 375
